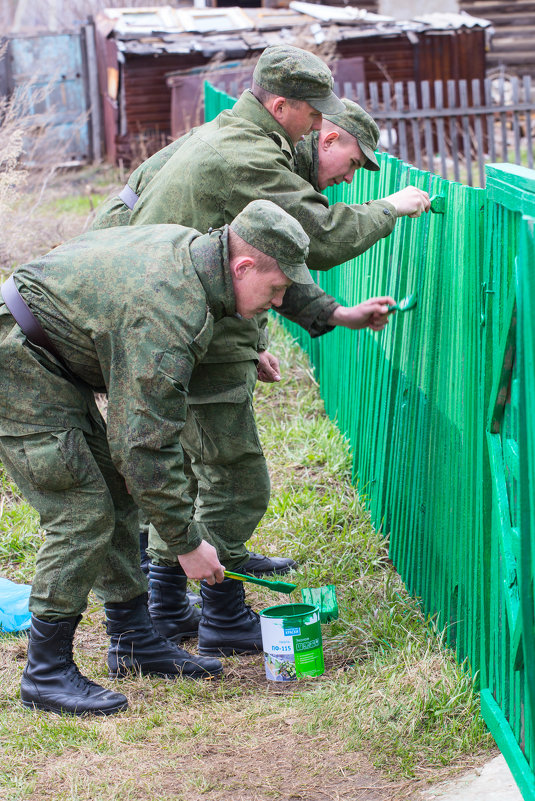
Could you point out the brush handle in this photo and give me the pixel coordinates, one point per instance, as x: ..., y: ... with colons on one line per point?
x: 276, y: 586
x: 251, y: 579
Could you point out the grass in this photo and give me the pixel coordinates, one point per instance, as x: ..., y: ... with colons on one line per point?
x: 392, y: 710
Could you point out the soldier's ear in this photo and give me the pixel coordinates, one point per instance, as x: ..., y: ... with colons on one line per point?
x: 277, y: 107
x: 329, y: 139
x: 241, y: 266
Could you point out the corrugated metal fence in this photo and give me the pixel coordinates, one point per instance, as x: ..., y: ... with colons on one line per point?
x: 438, y: 409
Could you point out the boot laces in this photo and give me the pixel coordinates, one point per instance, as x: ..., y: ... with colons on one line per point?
x: 78, y: 680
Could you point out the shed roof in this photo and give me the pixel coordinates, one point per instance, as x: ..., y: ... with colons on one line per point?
x: 237, y: 31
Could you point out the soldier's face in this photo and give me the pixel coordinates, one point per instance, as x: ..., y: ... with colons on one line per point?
x: 339, y: 157
x: 300, y: 119
x: 258, y: 290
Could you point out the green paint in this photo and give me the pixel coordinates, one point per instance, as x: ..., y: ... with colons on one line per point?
x: 324, y: 598
x: 440, y: 414
x: 408, y: 303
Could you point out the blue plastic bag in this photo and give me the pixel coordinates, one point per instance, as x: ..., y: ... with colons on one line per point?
x: 14, y: 612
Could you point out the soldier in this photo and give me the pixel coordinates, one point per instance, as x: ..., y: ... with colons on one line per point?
x: 131, y: 310
x: 346, y: 142
x: 245, y: 153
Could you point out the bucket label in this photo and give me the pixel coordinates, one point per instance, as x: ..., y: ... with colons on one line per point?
x: 291, y: 632
x: 306, y: 643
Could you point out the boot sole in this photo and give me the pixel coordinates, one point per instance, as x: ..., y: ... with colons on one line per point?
x: 228, y: 651
x: 79, y: 713
x: 184, y: 635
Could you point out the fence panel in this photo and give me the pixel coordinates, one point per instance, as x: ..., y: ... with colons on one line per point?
x: 438, y: 409
x: 459, y: 125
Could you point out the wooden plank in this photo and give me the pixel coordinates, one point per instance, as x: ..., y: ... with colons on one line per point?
x: 503, y: 117
x: 476, y: 98
x: 426, y: 106
x: 516, y: 125
x: 403, y: 149
x: 441, y: 134
x: 529, y: 141
x: 415, y: 128
x: 467, y: 142
x: 453, y: 129
x: 490, y: 120
x: 391, y: 145
x: 374, y: 99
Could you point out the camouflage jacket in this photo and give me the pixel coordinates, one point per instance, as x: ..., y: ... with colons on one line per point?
x: 242, y: 155
x: 307, y: 160
x: 131, y: 310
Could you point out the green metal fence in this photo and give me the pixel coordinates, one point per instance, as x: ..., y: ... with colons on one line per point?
x: 437, y: 411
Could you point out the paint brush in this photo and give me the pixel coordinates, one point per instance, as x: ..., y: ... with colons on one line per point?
x: 406, y: 304
x: 276, y: 586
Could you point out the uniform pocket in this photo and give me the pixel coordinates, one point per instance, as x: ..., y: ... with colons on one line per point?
x: 226, y: 425
x: 55, y: 460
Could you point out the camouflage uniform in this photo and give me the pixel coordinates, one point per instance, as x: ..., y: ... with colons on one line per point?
x: 243, y: 154
x: 131, y: 311
x: 307, y: 159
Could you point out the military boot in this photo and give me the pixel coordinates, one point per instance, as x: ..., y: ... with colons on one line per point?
x: 51, y: 680
x: 169, y: 606
x: 259, y: 565
x: 136, y: 646
x: 228, y: 626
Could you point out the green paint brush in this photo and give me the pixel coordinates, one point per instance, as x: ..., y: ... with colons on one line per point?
x: 276, y: 586
x: 406, y: 304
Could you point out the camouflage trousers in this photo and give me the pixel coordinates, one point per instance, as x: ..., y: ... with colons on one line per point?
x: 53, y: 445
x: 228, y: 476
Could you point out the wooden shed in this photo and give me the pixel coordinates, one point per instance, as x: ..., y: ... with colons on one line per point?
x: 512, y: 49
x: 138, y: 49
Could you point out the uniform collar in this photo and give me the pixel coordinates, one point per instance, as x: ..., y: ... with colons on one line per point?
x: 250, y: 108
x: 209, y: 254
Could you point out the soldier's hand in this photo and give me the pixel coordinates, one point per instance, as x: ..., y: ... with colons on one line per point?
x: 410, y: 202
x: 202, y: 563
x: 268, y: 367
x: 372, y: 313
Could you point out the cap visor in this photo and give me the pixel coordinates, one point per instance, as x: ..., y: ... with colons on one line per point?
x: 372, y: 163
x: 298, y: 273
x: 327, y: 105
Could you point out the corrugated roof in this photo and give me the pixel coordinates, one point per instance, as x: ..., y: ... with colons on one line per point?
x: 237, y: 31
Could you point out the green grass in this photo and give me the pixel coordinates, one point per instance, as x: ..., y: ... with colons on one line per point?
x: 76, y: 204
x: 392, y: 691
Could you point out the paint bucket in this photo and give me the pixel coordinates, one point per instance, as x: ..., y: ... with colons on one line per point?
x: 291, y: 639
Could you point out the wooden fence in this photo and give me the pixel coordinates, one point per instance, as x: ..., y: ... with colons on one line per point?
x: 453, y: 128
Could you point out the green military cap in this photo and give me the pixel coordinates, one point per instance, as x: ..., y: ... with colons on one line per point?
x: 291, y: 72
x: 273, y: 231
x: 359, y: 124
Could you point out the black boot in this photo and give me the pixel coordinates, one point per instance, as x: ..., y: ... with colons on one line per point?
x: 170, y: 609
x: 228, y: 626
x: 136, y: 646
x: 258, y: 565
x: 51, y: 681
